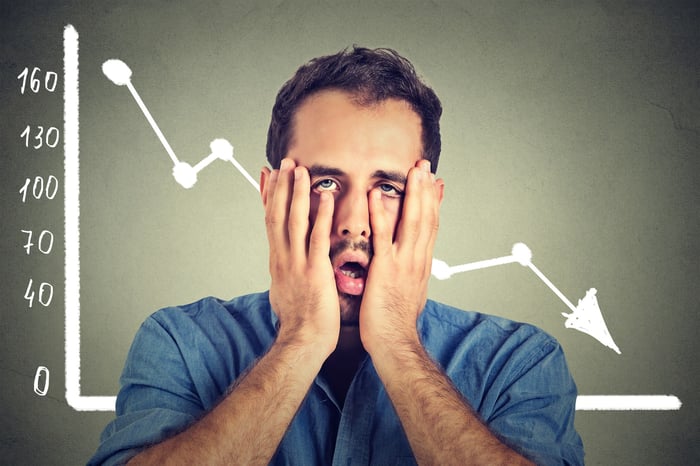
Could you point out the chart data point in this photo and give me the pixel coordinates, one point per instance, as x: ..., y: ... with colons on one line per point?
x: 222, y: 149
x: 522, y: 254
x: 117, y: 71
x: 441, y: 270
x: 185, y: 174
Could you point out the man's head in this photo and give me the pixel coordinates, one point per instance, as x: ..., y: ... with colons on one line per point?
x: 370, y: 76
x: 358, y: 121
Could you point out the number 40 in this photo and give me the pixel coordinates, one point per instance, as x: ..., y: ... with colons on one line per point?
x: 45, y: 293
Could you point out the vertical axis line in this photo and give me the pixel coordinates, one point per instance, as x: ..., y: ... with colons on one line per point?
x: 71, y: 200
x: 71, y: 187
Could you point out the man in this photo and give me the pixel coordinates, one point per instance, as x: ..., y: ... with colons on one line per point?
x: 344, y: 360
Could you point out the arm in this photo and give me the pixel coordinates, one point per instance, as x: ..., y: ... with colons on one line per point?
x: 249, y: 423
x: 439, y: 423
x: 441, y: 426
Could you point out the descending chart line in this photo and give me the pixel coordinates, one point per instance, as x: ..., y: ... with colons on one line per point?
x: 551, y: 286
x: 185, y: 174
x: 586, y: 317
x: 120, y: 74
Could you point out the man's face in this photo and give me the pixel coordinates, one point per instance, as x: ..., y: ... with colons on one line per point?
x: 350, y: 150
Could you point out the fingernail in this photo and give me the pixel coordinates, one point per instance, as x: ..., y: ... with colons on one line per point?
x: 426, y: 166
x: 285, y: 164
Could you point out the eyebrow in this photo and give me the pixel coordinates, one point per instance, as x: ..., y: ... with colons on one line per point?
x: 317, y: 170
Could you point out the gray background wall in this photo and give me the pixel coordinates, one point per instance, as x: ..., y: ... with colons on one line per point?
x: 572, y: 126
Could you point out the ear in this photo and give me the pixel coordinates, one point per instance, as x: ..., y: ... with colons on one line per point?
x: 264, y: 176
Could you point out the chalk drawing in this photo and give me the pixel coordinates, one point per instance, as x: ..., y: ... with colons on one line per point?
x: 441, y: 270
x: 185, y: 174
x: 586, y: 317
x: 41, y: 391
x: 71, y: 142
x: 628, y: 403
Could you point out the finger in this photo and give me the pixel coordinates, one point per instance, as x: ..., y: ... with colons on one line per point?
x: 278, y: 213
x: 320, y: 237
x: 428, y: 221
x: 382, y: 232
x: 409, y: 225
x: 437, y: 190
x: 264, y: 182
x: 299, y: 213
x: 269, y: 190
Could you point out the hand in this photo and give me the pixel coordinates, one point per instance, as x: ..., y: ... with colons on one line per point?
x: 302, y: 292
x: 397, y: 280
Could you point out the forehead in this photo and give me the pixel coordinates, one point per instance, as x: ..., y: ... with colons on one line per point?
x: 331, y: 129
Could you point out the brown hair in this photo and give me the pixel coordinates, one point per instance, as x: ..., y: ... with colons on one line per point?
x: 371, y: 76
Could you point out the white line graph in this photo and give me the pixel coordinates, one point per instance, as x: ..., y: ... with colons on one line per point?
x: 79, y: 402
x: 185, y: 174
x: 586, y: 317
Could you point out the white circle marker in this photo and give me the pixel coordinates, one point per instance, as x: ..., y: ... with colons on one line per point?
x: 440, y: 269
x: 117, y: 71
x: 185, y: 174
x: 522, y: 254
x: 222, y: 149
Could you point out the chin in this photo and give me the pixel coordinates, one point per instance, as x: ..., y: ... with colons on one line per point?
x: 349, y: 309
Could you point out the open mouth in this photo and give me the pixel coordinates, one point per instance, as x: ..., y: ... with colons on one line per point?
x: 350, y: 268
x: 353, y: 270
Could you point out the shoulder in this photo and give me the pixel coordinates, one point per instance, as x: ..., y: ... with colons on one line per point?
x: 456, y: 337
x: 252, y: 309
x: 448, y: 321
x: 200, y: 347
x: 234, y: 331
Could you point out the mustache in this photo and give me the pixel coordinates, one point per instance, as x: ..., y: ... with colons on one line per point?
x: 347, y: 244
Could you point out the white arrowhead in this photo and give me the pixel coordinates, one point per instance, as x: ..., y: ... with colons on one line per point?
x: 589, y: 319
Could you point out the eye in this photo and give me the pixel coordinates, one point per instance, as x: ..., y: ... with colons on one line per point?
x: 325, y: 184
x: 390, y: 190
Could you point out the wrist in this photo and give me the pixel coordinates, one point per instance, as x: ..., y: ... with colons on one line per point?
x: 306, y: 343
x: 394, y: 347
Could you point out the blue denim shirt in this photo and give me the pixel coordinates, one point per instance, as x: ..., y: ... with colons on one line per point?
x: 184, y: 359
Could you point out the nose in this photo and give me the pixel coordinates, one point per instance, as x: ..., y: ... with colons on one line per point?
x: 351, y: 219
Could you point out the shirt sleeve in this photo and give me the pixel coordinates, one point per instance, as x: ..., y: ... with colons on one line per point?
x: 535, y: 405
x: 157, y: 398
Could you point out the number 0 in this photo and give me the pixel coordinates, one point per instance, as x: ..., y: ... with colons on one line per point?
x: 37, y: 379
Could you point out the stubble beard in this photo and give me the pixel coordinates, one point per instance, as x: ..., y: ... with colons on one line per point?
x: 349, y: 309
